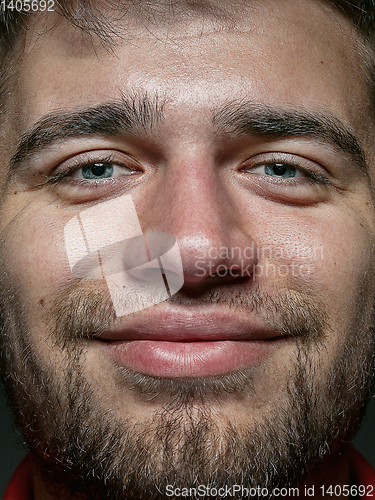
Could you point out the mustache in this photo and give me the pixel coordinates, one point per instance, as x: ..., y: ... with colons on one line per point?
x: 82, y: 310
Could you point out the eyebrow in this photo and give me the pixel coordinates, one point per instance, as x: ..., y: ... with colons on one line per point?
x: 129, y: 115
x: 273, y: 122
x: 141, y: 114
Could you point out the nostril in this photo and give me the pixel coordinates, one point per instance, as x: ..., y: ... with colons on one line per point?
x: 223, y: 271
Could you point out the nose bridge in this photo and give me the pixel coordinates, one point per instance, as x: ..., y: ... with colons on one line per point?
x: 196, y: 203
x: 198, y: 200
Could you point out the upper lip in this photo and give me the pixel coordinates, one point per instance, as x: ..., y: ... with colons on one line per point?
x: 180, y: 324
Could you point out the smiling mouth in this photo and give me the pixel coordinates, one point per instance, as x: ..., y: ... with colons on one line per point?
x: 186, y: 337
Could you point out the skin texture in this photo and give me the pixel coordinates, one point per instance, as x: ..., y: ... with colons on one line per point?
x: 204, y: 183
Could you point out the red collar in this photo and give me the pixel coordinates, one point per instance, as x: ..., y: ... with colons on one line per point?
x: 361, y: 472
x: 20, y: 486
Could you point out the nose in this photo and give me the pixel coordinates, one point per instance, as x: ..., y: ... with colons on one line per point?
x: 198, y: 205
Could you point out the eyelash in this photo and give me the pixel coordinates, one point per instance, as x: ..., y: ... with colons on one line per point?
x: 312, y: 176
x: 64, y: 174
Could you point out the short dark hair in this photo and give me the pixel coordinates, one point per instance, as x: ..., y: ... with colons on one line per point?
x: 86, y: 16
x: 360, y: 12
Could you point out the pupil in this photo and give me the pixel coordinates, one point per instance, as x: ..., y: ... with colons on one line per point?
x: 279, y: 169
x: 98, y: 169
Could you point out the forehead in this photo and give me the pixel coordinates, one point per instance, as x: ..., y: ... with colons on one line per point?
x: 283, y: 52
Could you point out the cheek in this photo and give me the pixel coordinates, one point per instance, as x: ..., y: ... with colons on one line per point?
x: 34, y: 256
x: 347, y: 272
x: 327, y: 255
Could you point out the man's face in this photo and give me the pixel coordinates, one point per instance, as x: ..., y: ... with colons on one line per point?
x: 245, y: 152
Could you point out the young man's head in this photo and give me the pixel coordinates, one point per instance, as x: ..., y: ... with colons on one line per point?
x: 245, y: 130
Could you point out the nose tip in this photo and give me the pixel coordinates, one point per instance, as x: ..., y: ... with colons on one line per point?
x: 193, y: 249
x: 203, y: 258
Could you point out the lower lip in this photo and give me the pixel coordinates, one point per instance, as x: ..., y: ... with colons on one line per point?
x: 189, y: 359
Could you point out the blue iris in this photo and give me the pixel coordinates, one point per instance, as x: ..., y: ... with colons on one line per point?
x: 99, y: 170
x: 280, y: 170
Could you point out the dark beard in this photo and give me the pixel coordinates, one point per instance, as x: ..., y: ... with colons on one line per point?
x: 84, y: 451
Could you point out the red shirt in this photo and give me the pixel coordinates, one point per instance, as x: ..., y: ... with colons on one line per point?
x: 21, y: 484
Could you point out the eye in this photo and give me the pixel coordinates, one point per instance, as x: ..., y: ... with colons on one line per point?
x: 279, y: 169
x: 284, y: 167
x: 95, y: 167
x: 285, y: 178
x: 89, y: 175
x: 100, y: 170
